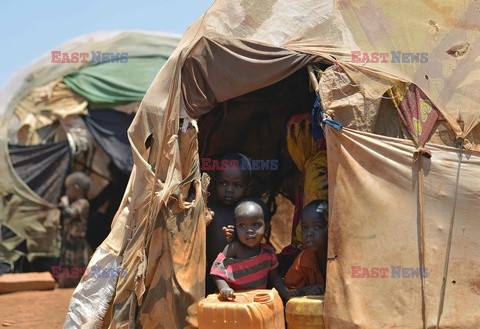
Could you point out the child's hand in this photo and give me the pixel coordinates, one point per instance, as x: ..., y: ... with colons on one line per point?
x: 208, y: 216
x: 64, y: 201
x: 315, y: 289
x: 226, y: 294
x: 229, y: 232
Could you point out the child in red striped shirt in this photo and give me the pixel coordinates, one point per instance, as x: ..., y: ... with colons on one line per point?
x: 246, y: 263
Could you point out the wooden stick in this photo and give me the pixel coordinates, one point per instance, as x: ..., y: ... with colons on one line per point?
x: 313, y: 79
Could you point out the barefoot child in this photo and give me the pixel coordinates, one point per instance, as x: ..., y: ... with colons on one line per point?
x: 307, y: 275
x: 231, y: 185
x: 246, y: 263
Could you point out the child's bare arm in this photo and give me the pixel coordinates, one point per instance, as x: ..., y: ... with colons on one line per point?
x: 72, y: 210
x: 277, y: 282
x: 316, y: 289
x: 225, y: 291
x: 231, y: 250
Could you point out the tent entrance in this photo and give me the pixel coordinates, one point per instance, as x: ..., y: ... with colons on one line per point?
x: 255, y: 124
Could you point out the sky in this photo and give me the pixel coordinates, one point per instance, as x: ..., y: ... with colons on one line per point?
x: 32, y: 28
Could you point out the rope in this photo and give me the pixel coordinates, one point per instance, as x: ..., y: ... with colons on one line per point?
x: 450, y: 233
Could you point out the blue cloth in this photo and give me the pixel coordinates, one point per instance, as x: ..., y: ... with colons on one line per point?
x: 317, y: 116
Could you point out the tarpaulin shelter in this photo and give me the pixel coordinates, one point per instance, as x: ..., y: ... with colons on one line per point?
x: 395, y: 202
x: 61, y: 114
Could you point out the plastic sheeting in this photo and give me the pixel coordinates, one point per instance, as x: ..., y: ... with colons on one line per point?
x: 30, y: 217
x: 43, y: 71
x: 115, y: 83
x: 109, y: 128
x: 43, y: 107
x: 42, y: 167
x: 98, y: 291
x: 374, y: 224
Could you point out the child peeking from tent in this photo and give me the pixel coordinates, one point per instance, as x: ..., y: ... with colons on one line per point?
x: 231, y: 185
x: 307, y: 275
x: 74, y: 219
x: 246, y: 263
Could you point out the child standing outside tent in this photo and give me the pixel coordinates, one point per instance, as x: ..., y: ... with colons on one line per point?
x: 307, y: 275
x: 246, y: 263
x: 231, y: 185
x: 74, y: 207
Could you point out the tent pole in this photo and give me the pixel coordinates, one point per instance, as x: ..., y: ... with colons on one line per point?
x: 313, y: 79
x: 421, y: 227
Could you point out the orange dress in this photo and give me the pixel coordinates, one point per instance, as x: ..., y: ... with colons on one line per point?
x: 304, y: 271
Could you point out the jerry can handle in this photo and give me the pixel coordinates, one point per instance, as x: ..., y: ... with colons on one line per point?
x: 262, y: 297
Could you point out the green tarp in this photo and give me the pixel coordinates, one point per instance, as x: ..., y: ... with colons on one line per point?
x: 115, y: 83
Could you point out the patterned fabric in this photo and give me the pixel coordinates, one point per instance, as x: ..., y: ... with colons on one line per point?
x: 301, y: 145
x: 74, y: 245
x: 311, y: 159
x: 244, y: 274
x: 304, y: 271
x: 418, y: 114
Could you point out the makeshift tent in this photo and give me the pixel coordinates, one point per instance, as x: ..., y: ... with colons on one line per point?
x: 391, y: 206
x: 59, y: 117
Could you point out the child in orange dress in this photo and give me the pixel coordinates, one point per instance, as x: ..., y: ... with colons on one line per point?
x: 307, y: 275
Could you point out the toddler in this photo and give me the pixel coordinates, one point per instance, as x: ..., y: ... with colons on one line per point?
x: 246, y: 263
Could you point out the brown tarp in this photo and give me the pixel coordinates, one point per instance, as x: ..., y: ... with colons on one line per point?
x: 221, y: 69
x: 44, y: 106
x: 374, y: 223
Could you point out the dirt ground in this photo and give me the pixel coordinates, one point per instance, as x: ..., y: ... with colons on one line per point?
x: 34, y: 309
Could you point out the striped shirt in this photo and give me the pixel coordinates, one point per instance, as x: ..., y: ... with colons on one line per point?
x: 246, y: 274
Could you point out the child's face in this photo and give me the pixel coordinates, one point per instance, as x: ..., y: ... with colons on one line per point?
x: 314, y: 232
x: 250, y: 226
x: 231, y: 186
x: 73, y: 192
